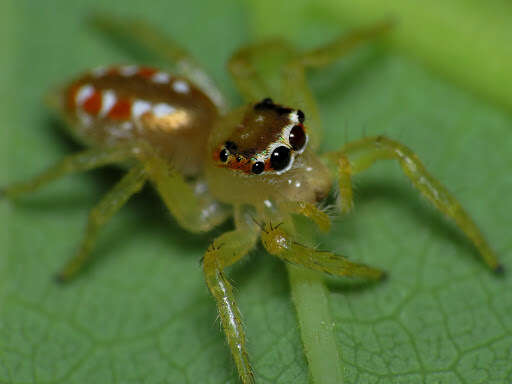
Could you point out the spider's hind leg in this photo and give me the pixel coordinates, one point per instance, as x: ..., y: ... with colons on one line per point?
x: 365, y: 152
x: 79, y: 162
x: 130, y: 184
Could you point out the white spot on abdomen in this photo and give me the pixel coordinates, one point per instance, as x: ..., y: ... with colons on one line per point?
x: 128, y: 70
x: 163, y: 109
x: 139, y: 108
x: 83, y: 94
x: 109, y: 99
x: 181, y: 86
x: 161, y: 78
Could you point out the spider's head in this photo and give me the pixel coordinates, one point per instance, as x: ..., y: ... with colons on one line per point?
x: 266, y: 141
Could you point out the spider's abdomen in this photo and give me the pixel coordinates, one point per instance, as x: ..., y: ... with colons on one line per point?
x: 121, y: 104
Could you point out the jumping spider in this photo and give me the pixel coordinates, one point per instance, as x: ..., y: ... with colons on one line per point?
x: 257, y: 163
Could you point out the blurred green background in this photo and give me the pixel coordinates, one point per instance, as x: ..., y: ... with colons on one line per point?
x: 439, y: 83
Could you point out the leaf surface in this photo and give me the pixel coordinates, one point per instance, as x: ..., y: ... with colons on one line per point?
x: 142, y: 312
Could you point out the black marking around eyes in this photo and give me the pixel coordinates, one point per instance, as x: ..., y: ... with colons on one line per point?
x: 283, y: 110
x: 301, y: 116
x: 230, y: 146
x: 266, y: 103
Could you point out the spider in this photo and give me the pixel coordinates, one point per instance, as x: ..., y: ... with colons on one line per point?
x: 256, y: 163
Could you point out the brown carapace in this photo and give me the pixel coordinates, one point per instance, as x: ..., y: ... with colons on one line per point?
x: 266, y: 140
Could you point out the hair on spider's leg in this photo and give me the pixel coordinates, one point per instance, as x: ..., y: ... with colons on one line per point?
x: 260, y: 225
x: 283, y: 245
x: 236, y: 244
x: 372, y: 149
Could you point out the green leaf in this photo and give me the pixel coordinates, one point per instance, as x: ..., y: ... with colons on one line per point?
x: 142, y: 312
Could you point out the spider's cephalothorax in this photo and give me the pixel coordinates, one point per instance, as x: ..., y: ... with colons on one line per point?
x: 266, y: 140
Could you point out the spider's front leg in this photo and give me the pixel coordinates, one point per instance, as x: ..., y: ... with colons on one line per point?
x: 194, y: 210
x: 363, y: 153
x: 224, y: 251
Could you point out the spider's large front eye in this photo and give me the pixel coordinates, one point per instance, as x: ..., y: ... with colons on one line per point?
x: 280, y: 158
x: 297, y: 138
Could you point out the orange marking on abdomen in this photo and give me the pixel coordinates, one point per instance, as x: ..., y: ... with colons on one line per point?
x: 121, y: 110
x: 93, y: 104
x: 146, y: 72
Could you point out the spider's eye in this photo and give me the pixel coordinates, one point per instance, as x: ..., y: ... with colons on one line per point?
x: 297, y: 138
x: 223, y: 155
x: 258, y: 167
x: 280, y: 158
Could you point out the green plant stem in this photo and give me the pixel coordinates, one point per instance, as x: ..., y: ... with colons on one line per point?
x: 309, y: 295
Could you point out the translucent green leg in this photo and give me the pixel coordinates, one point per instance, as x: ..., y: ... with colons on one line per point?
x: 363, y: 153
x: 155, y: 42
x: 194, y: 210
x: 224, y: 251
x: 310, y: 210
x: 283, y: 245
x: 83, y: 161
x: 329, y: 53
x: 248, y: 68
x: 130, y: 184
x: 345, y: 199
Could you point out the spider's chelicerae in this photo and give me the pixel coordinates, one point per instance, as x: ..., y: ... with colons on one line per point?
x: 257, y: 163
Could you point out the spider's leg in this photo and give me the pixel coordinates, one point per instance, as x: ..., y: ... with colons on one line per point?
x: 245, y: 66
x: 224, y: 251
x: 329, y: 53
x: 310, y: 210
x: 130, y: 184
x: 282, y: 244
x: 79, y: 162
x: 157, y: 44
x: 363, y: 153
x: 193, y: 210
